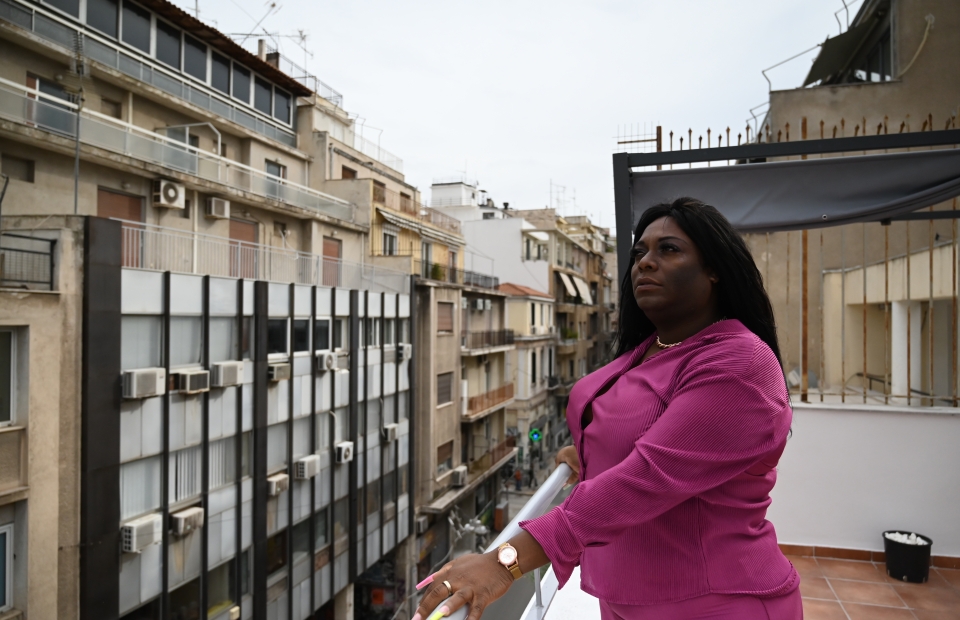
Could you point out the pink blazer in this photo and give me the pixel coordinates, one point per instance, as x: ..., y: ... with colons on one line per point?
x: 676, y: 470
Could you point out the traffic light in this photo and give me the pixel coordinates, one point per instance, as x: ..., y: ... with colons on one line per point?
x: 535, y: 435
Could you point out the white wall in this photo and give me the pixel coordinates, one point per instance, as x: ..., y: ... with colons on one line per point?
x: 501, y: 240
x: 849, y: 473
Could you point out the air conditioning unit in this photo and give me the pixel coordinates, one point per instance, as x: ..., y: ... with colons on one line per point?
x: 278, y: 372
x: 344, y: 452
x: 186, y: 521
x: 460, y: 476
x: 168, y: 194
x: 326, y: 360
x: 552, y: 328
x: 144, y: 382
x: 478, y: 304
x: 307, y: 467
x: 137, y: 535
x: 192, y: 381
x: 277, y: 484
x: 218, y: 208
x: 423, y: 524
x: 534, y: 330
x: 482, y: 359
x: 225, y: 374
x: 404, y: 351
x: 389, y: 432
x: 487, y: 304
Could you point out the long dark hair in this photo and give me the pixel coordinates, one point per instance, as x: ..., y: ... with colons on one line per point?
x: 740, y: 292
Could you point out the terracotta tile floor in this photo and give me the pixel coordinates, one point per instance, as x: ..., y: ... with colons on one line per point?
x: 851, y: 590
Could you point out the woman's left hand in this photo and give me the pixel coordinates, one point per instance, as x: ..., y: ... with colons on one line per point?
x: 476, y: 580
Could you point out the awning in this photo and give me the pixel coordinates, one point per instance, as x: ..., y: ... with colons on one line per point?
x: 567, y: 284
x: 538, y: 235
x: 813, y: 193
x: 584, y: 290
x: 837, y: 52
x: 416, y: 226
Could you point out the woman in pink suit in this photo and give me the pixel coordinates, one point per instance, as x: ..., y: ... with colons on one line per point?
x: 676, y: 444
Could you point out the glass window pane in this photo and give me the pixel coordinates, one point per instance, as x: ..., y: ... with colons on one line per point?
x: 277, y: 336
x: 67, y: 6
x: 186, y: 340
x: 276, y: 552
x: 6, y: 378
x: 276, y: 446
x: 140, y: 342
x: 321, y: 334
x: 373, y: 497
x: 341, y: 517
x: 223, y: 339
x: 301, y: 541
x: 220, y: 73
x: 136, y: 27
x: 168, y: 44
x: 222, y: 462
x: 262, y: 96
x: 195, y: 58
x: 221, y: 582
x: 185, y: 600
x: 139, y: 487
x: 246, y: 447
x: 301, y: 335
x: 241, y: 83
x: 184, y: 473
x: 321, y: 535
x: 102, y: 15
x: 281, y: 106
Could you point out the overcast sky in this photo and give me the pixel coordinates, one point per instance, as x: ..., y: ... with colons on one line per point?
x: 521, y: 93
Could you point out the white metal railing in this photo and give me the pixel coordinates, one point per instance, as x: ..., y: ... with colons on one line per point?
x: 155, y: 248
x: 301, y: 75
x: 33, y: 108
x: 544, y: 582
x: 374, y: 150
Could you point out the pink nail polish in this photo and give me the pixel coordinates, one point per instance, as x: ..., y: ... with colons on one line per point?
x: 416, y: 616
x: 424, y: 584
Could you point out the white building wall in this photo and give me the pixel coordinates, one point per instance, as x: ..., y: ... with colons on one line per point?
x: 502, y: 241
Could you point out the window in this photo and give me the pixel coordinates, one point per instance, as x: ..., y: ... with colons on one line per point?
x: 321, y: 531
x: 246, y: 572
x: 341, y: 528
x: 6, y: 567
x: 301, y: 541
x: 444, y: 388
x: 263, y: 96
x: 220, y: 73
x: 533, y: 368
x: 136, y: 27
x: 194, y: 58
x: 276, y: 447
x: 341, y: 334
x: 445, y: 458
x: 184, y: 473
x: 426, y: 257
x: 168, y: 44
x: 301, y: 335
x: 277, y: 336
x: 281, y: 105
x: 372, y: 332
x: 17, y: 169
x: 140, y: 338
x: 102, y: 15
x: 222, y: 462
x: 388, y: 332
x: 533, y: 314
x: 246, y: 453
x: 223, y: 339
x: 403, y: 330
x: 67, y: 6
x: 139, y: 487
x: 402, y: 476
x: 241, y: 83
x: 347, y: 173
x: 379, y: 192
x: 111, y: 108
x: 221, y: 584
x: 570, y: 375
x: 321, y: 334
x: 185, y: 600
x: 7, y: 378
x: 276, y: 169
x: 444, y: 317
x: 389, y: 488
x: 389, y: 243
x: 276, y: 552
x: 186, y: 340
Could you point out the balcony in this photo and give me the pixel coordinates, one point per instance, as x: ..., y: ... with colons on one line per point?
x: 13, y: 450
x: 482, y: 405
x: 26, y: 262
x: 36, y: 110
x: 478, y: 470
x: 484, y: 342
x: 443, y: 273
x: 403, y: 203
x: 840, y: 484
x: 154, y: 248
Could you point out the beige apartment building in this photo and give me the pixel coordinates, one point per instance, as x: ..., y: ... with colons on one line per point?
x: 868, y: 309
x: 211, y: 216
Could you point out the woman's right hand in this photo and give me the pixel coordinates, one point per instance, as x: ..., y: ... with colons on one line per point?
x: 568, y: 455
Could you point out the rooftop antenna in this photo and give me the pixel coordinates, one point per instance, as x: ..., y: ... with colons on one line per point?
x: 272, y: 8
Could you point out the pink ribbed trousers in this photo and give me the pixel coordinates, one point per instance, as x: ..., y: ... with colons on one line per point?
x: 711, y: 607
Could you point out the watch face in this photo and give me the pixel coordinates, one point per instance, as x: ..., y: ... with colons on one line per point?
x: 507, y: 556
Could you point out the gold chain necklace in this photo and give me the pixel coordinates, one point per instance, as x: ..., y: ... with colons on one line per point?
x: 662, y: 346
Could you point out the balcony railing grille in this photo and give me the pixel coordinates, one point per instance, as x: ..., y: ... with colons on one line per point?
x: 443, y: 273
x: 155, y: 248
x: 26, y: 262
x: 34, y: 109
x: 494, y: 397
x: 489, y: 458
x: 486, y: 339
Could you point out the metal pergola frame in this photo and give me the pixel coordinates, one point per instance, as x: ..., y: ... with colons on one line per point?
x: 623, y: 163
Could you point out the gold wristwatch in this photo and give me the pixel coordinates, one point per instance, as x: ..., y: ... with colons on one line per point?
x: 507, y: 556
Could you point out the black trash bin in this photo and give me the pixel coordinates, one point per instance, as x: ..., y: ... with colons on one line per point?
x: 907, y: 562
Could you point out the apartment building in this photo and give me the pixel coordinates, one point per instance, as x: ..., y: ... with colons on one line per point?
x: 534, y: 417
x: 886, y: 290
x: 206, y: 395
